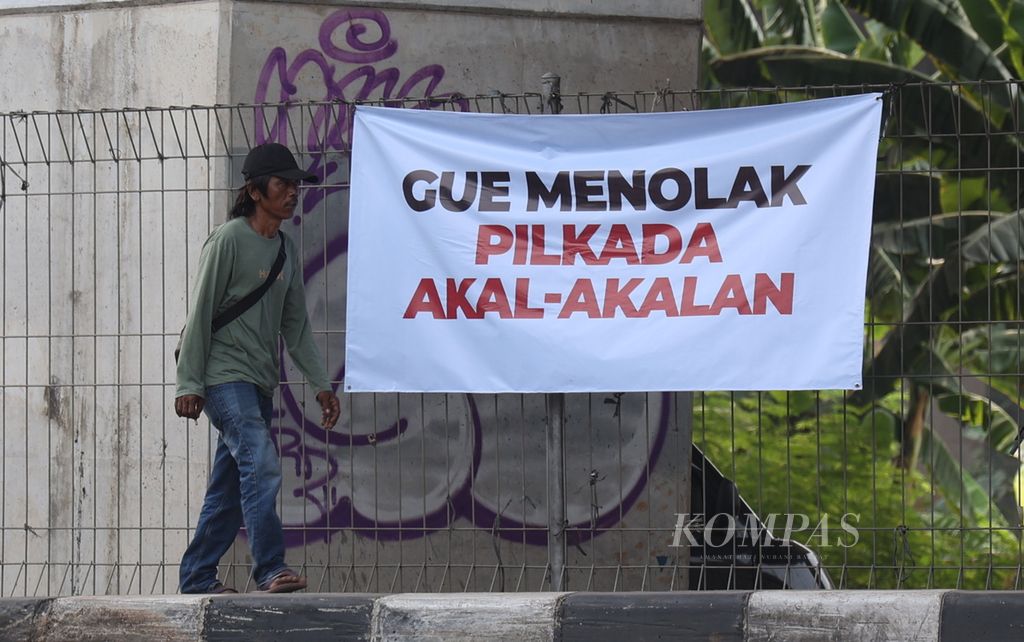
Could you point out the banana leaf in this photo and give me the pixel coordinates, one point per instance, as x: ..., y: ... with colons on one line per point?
x: 732, y: 26
x: 1005, y: 350
x: 926, y: 115
x: 1000, y: 24
x: 980, y: 411
x: 929, y: 237
x: 946, y: 35
x: 985, y: 20
x: 940, y: 293
x: 794, y: 21
x: 959, y: 488
x: 966, y: 397
x: 838, y: 30
x: 1013, y: 34
x: 1001, y: 241
x: 990, y: 296
x: 887, y: 288
x: 942, y: 29
x: 749, y: 68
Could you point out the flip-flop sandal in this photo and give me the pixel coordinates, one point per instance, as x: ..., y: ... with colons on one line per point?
x: 285, y: 582
x: 220, y: 589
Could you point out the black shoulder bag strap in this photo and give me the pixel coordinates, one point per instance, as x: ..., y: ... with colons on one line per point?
x: 246, y: 302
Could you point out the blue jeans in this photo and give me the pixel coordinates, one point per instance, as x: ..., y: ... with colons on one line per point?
x: 244, y: 484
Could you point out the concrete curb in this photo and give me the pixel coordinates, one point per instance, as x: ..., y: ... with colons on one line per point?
x: 163, y: 617
x: 298, y: 617
x: 686, y: 615
x: 909, y: 616
x: 982, y: 615
x: 19, y: 617
x: 719, y: 615
x: 466, y: 616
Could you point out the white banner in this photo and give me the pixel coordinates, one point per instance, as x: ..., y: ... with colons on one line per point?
x: 710, y: 250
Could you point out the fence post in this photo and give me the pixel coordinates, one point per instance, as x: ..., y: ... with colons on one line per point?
x: 551, y: 93
x: 556, y: 489
x: 551, y: 102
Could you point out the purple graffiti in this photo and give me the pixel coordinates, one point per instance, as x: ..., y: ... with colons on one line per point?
x: 311, y: 455
x: 325, y: 471
x: 329, y: 126
x: 461, y: 502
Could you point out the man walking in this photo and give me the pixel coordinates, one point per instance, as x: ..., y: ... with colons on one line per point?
x: 250, y: 271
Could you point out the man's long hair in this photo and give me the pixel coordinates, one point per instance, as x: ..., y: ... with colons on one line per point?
x: 244, y: 205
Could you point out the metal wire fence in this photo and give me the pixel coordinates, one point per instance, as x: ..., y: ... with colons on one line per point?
x: 911, y: 482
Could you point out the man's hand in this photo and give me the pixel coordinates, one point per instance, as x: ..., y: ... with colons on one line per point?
x: 331, y: 407
x: 189, y: 406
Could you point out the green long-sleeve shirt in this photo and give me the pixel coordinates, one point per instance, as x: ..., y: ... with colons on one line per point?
x: 235, y: 260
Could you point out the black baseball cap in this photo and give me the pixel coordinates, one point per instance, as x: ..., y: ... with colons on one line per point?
x: 274, y: 159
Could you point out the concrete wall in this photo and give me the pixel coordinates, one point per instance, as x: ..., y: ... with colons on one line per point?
x: 77, y: 54
x: 99, y: 479
x: 457, y: 47
x: 135, y: 55
x: 101, y: 482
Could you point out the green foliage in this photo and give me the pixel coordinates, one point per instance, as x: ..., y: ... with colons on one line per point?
x: 813, y: 453
x: 946, y: 34
x: 731, y: 26
x: 839, y: 30
x: 945, y: 284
